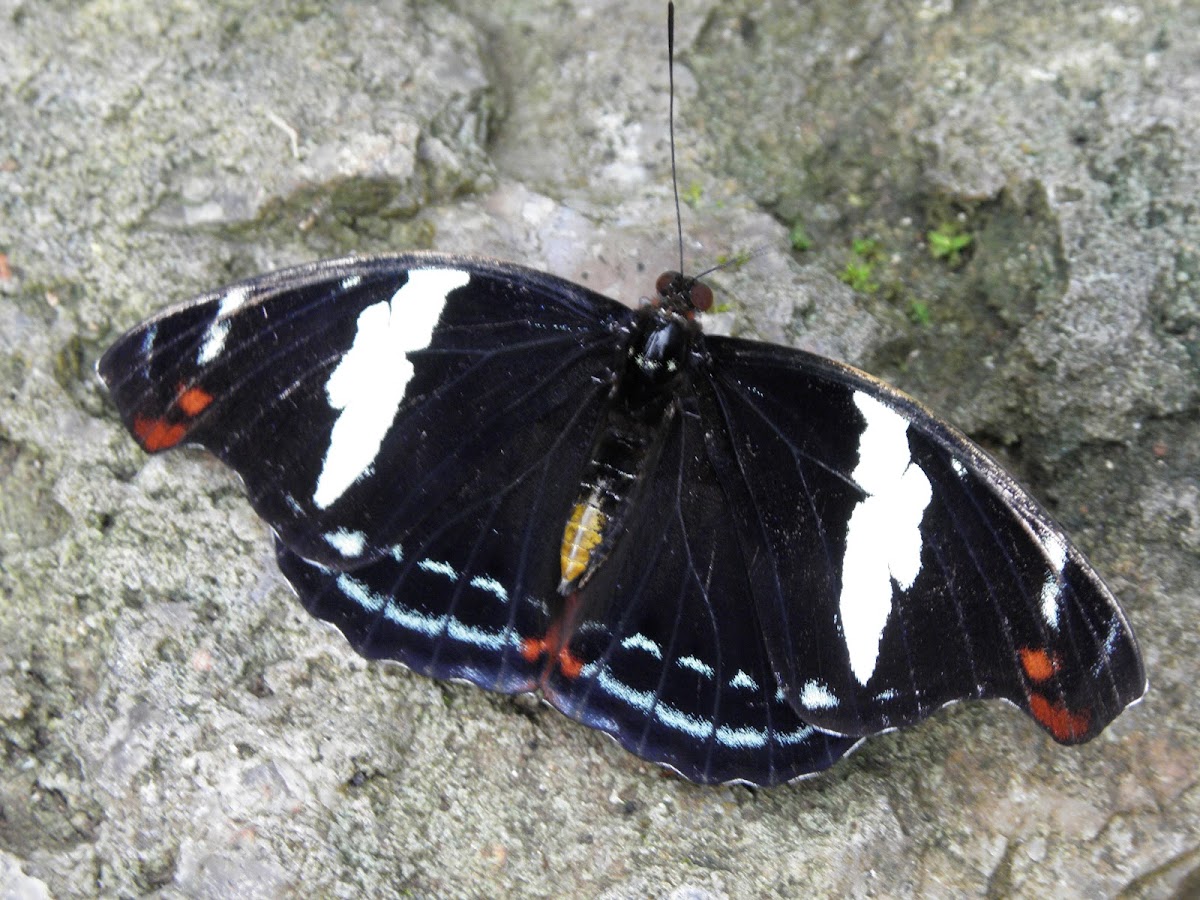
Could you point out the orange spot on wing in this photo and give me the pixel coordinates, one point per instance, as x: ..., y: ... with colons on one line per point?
x: 1061, y: 722
x: 532, y: 648
x: 1037, y: 663
x: 193, y: 401
x: 155, y: 434
x: 569, y: 664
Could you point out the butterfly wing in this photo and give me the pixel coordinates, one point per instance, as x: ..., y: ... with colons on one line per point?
x: 813, y: 549
x: 894, y: 566
x: 465, y: 590
x: 362, y: 399
x: 668, y: 656
x: 402, y: 423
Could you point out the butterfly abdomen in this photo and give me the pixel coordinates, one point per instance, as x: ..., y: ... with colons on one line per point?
x: 651, y: 364
x: 623, y: 452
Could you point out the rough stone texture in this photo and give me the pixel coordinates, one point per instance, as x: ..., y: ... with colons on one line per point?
x: 173, y: 723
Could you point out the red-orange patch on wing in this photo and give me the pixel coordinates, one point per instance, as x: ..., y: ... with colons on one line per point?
x: 193, y: 401
x: 1037, y: 663
x: 569, y: 664
x: 155, y: 434
x: 532, y: 648
x: 1064, y: 724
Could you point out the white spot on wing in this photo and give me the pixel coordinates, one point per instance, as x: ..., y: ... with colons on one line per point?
x: 677, y: 719
x: 1056, y: 556
x: 741, y: 738
x: 360, y: 594
x: 421, y: 623
x: 491, y: 585
x: 368, y: 384
x: 347, y: 543
x: 438, y: 568
x: 742, y: 680
x: 214, y: 342
x: 643, y: 700
x: 799, y: 736
x: 218, y: 331
x: 470, y: 634
x: 883, y: 536
x: 698, y: 666
x: 685, y: 722
x: 817, y: 696
x: 641, y: 642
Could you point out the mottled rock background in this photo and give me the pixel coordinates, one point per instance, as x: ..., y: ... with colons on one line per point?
x: 172, y: 723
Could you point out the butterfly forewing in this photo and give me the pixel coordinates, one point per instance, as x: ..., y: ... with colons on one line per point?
x: 361, y: 397
x: 899, y: 567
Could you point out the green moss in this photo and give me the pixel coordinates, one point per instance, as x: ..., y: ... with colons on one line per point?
x: 867, y: 248
x: 948, y: 241
x: 799, y: 238
x: 859, y: 271
x: 858, y: 276
x: 918, y: 312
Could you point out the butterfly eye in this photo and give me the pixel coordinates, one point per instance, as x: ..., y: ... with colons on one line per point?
x: 701, y: 296
x: 665, y: 283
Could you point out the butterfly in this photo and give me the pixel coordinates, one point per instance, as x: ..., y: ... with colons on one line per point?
x: 737, y: 559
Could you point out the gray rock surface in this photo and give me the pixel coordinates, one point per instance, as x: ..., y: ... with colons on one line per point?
x: 174, y: 724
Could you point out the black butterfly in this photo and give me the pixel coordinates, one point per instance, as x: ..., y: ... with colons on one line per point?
x: 737, y: 559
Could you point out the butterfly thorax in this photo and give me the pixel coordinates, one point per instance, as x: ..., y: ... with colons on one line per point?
x: 651, y: 365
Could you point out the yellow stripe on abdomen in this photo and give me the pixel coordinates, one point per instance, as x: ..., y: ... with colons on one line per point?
x: 582, y: 535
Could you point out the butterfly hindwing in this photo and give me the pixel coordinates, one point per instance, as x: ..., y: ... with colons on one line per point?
x: 361, y: 397
x: 467, y: 589
x: 900, y: 568
x: 668, y: 655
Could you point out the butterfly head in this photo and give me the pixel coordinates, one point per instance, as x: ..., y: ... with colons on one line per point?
x: 682, y: 295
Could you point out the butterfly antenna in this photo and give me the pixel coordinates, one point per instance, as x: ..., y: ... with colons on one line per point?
x: 671, y: 122
x: 739, y: 260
